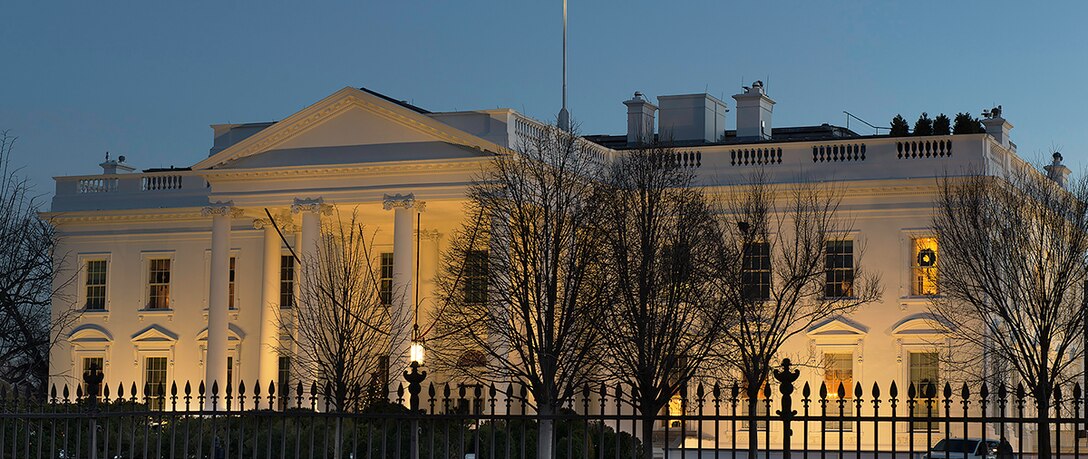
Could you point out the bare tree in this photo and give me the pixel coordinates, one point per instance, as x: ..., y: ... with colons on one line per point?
x: 778, y: 273
x: 339, y: 328
x: 1013, y: 254
x: 29, y: 282
x: 521, y: 282
x: 661, y: 326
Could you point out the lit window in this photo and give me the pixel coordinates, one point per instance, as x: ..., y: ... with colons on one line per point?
x: 158, y: 282
x: 756, y: 271
x: 96, y: 285
x: 155, y: 381
x: 924, y: 371
x: 230, y: 371
x: 839, y: 369
x: 385, y: 292
x: 923, y: 266
x: 230, y: 302
x: 287, y: 282
x: 839, y: 269
x: 476, y: 276
x: 91, y: 362
x: 761, y: 408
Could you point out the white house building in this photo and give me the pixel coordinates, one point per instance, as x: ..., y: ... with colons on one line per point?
x: 180, y: 273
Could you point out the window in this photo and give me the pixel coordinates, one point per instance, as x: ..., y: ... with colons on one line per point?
x: 476, y: 276
x: 158, y: 283
x: 378, y: 389
x: 839, y: 369
x: 92, y: 362
x: 385, y: 292
x: 283, y: 382
x: 924, y: 371
x: 839, y: 266
x: 155, y: 381
x: 756, y: 271
x: 96, y: 285
x: 287, y: 282
x: 761, y: 408
x: 230, y: 301
x: 923, y: 271
x: 230, y: 371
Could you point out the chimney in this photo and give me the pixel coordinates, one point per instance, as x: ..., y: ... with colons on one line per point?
x: 640, y: 120
x: 696, y: 118
x: 1057, y: 171
x: 111, y: 167
x: 754, y: 110
x: 996, y: 126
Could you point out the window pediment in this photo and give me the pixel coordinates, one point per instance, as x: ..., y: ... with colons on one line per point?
x: 233, y: 334
x: 838, y: 327
x: 155, y: 334
x: 922, y: 325
x: 90, y: 334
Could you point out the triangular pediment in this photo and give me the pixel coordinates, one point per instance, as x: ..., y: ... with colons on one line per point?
x: 838, y: 327
x: 350, y: 127
x: 154, y: 333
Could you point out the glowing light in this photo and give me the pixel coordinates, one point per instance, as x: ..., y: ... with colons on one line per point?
x: 416, y: 352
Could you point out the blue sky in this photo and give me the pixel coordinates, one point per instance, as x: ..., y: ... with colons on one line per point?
x: 145, y: 79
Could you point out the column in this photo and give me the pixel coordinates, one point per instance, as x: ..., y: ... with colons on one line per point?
x: 498, y: 260
x: 215, y: 365
x: 268, y: 360
x: 405, y: 208
x: 308, y: 240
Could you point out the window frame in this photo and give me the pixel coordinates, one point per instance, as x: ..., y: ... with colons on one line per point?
x: 834, y: 424
x: 385, y: 283
x: 830, y: 272
x: 153, y: 402
x: 288, y: 265
x: 145, y: 264
x: 913, y: 267
x: 81, y: 300
x: 762, y: 274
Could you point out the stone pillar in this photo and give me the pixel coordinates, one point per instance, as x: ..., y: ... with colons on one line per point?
x: 405, y: 208
x: 215, y: 365
x: 268, y: 360
x: 307, y: 246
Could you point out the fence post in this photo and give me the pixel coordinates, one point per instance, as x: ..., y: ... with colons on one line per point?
x: 93, y: 378
x: 415, y: 379
x: 786, y: 376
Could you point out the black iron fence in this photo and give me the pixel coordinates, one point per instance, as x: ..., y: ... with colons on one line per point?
x: 711, y: 420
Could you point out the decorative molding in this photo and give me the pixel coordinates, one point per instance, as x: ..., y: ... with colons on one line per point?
x: 315, y: 205
x: 429, y: 234
x: 220, y: 208
x: 403, y: 201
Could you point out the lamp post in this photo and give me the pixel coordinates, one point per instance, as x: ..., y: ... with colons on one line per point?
x: 415, y: 379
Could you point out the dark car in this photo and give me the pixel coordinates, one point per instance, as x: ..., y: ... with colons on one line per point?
x: 970, y: 448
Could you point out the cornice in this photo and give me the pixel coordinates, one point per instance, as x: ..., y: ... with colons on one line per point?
x: 383, y: 168
x: 97, y: 216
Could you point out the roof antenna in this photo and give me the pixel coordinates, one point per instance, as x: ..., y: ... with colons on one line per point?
x: 564, y: 115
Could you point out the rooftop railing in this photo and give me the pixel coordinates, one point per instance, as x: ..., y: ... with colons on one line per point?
x: 89, y: 192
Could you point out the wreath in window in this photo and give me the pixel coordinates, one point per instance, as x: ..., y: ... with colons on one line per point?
x: 927, y: 258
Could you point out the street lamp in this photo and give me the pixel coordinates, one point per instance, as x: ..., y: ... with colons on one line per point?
x: 415, y: 379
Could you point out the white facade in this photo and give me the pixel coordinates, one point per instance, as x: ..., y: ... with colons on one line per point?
x: 354, y: 149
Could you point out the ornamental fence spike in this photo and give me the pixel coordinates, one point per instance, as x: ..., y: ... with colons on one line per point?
x: 806, y: 391
x: 876, y: 391
x: 947, y: 390
x: 841, y: 392
x: 893, y: 391
x: 823, y: 391
x: 857, y: 390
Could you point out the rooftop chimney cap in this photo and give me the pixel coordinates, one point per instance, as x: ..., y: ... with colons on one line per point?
x: 1057, y: 157
x: 638, y: 95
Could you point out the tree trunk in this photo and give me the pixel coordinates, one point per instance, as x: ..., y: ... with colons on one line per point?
x: 647, y: 433
x: 546, y: 433
x: 1043, y: 427
x: 753, y: 427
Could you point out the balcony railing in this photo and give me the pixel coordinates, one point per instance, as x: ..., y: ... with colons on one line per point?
x: 118, y: 191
